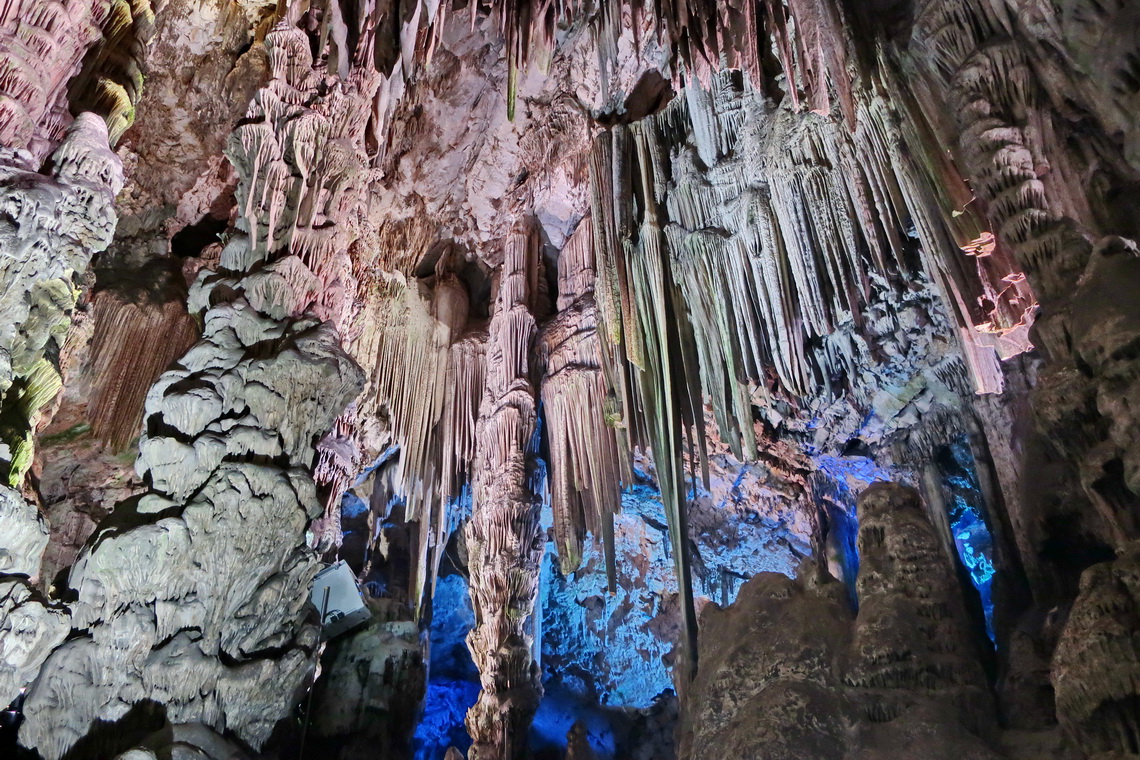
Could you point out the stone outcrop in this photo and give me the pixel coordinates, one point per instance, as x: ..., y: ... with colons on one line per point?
x: 372, y: 681
x: 194, y: 595
x: 1096, y: 667
x: 52, y: 227
x: 790, y: 671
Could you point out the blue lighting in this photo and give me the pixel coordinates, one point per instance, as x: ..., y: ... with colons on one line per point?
x: 445, y: 705
x: 453, y: 683
x: 967, y: 509
x: 838, y: 483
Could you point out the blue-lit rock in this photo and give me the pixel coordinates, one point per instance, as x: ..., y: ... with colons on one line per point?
x: 967, y: 510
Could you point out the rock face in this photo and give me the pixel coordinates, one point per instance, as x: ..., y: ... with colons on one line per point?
x: 52, y: 227
x: 194, y: 595
x: 1097, y: 661
x: 789, y: 671
x: 364, y: 704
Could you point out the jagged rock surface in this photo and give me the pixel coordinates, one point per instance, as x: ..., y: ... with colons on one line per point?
x: 790, y: 671
x: 194, y: 595
x: 1096, y: 667
x: 365, y: 704
x: 51, y: 228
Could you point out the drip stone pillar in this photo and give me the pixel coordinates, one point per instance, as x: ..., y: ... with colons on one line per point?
x: 504, y: 539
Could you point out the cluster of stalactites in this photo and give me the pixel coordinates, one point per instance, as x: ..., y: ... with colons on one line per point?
x: 716, y: 283
x: 133, y: 344
x: 806, y: 36
x: 647, y: 347
x: 791, y: 278
x: 428, y: 378
x: 586, y: 466
x: 505, y: 539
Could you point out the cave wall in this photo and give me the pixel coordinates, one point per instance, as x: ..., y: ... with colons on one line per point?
x: 690, y: 278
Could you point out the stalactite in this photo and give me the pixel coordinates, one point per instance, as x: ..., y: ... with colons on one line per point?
x: 133, y: 344
x: 655, y: 363
x: 504, y: 538
x: 585, y: 461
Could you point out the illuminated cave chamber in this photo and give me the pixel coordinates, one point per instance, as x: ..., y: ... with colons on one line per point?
x: 746, y: 379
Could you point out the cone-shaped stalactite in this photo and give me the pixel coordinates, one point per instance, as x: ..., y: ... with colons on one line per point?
x: 585, y: 461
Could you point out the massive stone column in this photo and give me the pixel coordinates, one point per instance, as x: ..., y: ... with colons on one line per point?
x: 504, y: 538
x: 193, y: 596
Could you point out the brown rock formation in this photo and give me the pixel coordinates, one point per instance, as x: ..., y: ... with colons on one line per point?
x: 788, y: 671
x: 1096, y: 667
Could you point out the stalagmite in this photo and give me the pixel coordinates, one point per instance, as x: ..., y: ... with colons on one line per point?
x: 1096, y: 668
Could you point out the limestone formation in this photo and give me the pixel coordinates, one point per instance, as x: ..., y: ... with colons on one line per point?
x: 25, y: 535
x: 52, y: 227
x: 30, y: 625
x: 504, y: 539
x: 790, y: 670
x: 212, y: 610
x: 433, y: 287
x: 1097, y: 662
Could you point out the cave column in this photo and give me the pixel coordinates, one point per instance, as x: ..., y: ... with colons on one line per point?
x: 504, y: 538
